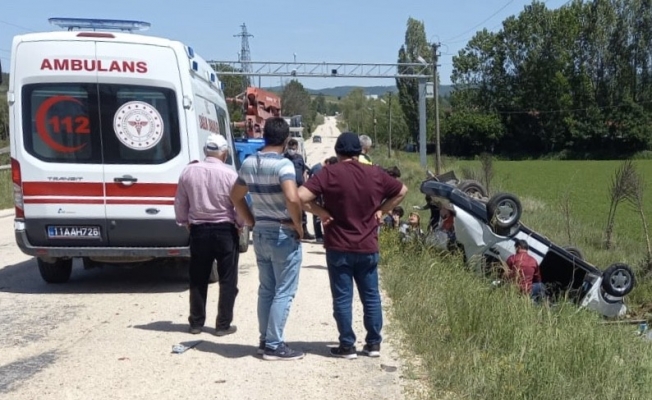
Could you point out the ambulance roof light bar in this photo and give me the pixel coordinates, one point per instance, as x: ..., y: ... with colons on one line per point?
x: 104, y: 24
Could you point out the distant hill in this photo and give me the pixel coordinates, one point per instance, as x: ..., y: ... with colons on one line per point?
x: 341, y: 91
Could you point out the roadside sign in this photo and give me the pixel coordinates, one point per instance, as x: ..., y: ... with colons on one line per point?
x: 430, y: 90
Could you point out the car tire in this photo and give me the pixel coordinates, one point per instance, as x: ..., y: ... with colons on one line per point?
x: 504, y: 210
x: 58, y: 271
x: 243, y: 242
x: 214, y: 277
x: 472, y: 188
x: 618, y: 280
x: 577, y: 253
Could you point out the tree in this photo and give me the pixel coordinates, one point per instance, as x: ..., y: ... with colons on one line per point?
x: 232, y: 88
x: 416, y: 46
x: 295, y: 100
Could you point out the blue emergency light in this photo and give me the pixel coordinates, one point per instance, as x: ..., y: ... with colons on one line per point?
x: 95, y: 24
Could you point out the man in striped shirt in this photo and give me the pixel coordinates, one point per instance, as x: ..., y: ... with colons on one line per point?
x: 270, y: 178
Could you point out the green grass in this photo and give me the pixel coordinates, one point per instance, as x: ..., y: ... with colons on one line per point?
x: 6, y: 190
x: 476, y: 342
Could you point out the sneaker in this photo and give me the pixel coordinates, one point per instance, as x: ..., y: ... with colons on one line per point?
x: 344, y: 352
x: 371, y: 350
x: 261, y: 348
x: 223, y: 332
x: 308, y: 236
x: 282, y: 352
x: 195, y: 330
x: 319, y: 240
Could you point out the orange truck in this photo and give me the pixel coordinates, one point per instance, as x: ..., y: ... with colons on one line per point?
x: 259, y: 105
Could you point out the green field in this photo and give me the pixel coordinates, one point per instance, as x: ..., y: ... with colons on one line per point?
x: 473, y: 341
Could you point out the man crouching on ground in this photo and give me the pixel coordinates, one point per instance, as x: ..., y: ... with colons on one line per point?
x: 353, y: 194
x: 277, y: 233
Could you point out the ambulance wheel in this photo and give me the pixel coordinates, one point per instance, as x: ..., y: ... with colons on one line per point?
x: 243, y: 242
x: 213, y: 277
x: 58, y: 271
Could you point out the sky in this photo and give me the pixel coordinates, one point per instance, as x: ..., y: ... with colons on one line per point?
x: 357, y: 31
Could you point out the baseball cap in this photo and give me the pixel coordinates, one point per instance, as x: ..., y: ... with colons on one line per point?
x: 216, y: 142
x: 348, y: 144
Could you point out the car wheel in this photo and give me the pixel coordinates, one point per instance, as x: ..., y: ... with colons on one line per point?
x: 472, y: 188
x: 575, y: 252
x: 504, y: 210
x: 213, y: 277
x: 243, y: 243
x: 55, y: 272
x: 618, y: 280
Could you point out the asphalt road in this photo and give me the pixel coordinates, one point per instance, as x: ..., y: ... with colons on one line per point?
x: 108, y: 334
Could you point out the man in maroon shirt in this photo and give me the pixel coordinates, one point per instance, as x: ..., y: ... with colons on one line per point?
x: 524, y: 270
x: 353, y: 193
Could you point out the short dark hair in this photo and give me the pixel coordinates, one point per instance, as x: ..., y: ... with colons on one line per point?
x: 293, y: 142
x: 398, y: 210
x: 331, y: 160
x: 276, y: 131
x: 522, y: 244
x: 394, y: 172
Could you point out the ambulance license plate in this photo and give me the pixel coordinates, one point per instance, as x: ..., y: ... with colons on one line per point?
x: 73, y: 232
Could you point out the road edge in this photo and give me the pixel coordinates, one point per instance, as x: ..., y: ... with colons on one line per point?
x: 9, y: 212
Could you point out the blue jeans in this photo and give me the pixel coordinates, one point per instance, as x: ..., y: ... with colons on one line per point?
x: 278, y: 255
x: 538, y: 292
x: 343, y: 269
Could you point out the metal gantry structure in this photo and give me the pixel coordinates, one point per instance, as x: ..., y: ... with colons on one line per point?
x: 420, y: 71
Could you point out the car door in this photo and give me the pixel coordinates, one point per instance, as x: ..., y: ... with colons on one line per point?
x: 144, y: 148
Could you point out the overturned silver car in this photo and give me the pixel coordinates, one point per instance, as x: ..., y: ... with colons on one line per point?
x: 488, y: 229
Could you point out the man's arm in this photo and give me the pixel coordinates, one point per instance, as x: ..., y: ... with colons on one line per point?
x: 308, y: 201
x: 238, y: 193
x: 181, y: 204
x: 389, y: 204
x: 293, y: 204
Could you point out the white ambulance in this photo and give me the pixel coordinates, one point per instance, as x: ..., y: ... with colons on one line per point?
x: 102, y: 122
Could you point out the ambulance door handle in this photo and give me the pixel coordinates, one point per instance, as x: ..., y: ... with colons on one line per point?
x: 126, y: 180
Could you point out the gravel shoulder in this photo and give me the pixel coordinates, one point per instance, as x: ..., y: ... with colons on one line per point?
x: 108, y: 334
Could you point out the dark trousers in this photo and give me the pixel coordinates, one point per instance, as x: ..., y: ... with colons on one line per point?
x: 209, y: 243
x: 316, y: 223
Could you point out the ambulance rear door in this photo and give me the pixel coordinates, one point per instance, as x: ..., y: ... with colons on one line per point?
x: 145, y: 142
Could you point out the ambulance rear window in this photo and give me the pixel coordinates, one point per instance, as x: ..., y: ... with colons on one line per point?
x: 106, y: 123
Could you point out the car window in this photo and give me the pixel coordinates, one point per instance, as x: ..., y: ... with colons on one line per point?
x: 90, y: 123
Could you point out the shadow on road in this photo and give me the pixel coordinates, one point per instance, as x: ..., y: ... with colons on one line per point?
x: 314, y: 266
x: 24, y: 277
x: 232, y: 350
x: 164, y: 326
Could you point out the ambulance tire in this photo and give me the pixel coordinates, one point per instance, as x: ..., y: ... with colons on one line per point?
x: 58, y: 271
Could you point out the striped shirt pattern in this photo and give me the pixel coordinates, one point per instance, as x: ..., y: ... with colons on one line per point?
x: 263, y: 174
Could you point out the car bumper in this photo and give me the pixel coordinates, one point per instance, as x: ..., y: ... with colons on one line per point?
x: 98, y: 252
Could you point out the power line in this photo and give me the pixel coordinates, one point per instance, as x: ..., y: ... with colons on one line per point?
x: 16, y: 26
x: 482, y: 22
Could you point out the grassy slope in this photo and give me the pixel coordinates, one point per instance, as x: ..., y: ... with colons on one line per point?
x: 476, y: 342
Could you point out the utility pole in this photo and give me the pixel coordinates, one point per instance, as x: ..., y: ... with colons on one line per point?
x: 435, y: 80
x: 389, y: 143
x: 375, y: 136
